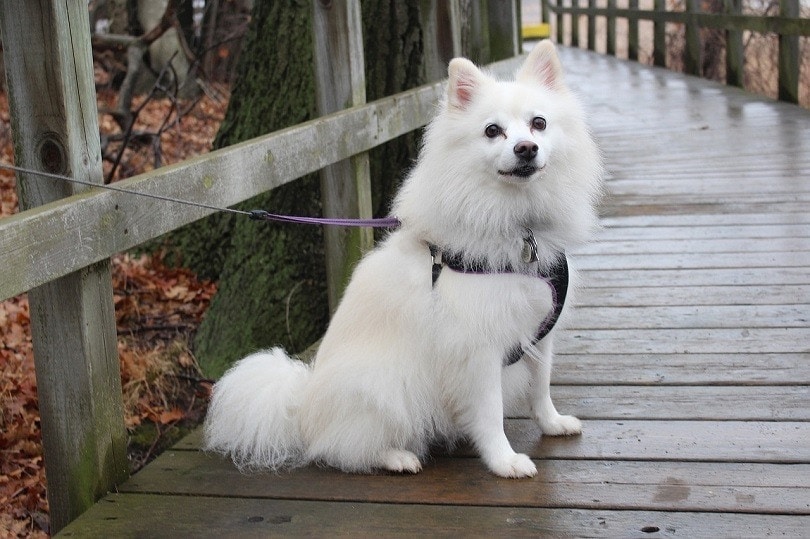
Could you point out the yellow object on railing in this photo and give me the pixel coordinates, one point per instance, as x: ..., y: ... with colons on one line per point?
x: 536, y: 31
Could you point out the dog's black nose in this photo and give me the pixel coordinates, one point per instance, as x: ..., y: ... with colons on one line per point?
x: 526, y: 150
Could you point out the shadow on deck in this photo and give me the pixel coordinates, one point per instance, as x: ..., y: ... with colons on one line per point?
x: 688, y: 358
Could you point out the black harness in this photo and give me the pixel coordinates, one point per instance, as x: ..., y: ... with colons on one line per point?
x: 556, y: 277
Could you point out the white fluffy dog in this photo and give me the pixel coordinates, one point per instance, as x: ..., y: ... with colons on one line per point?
x: 417, y: 352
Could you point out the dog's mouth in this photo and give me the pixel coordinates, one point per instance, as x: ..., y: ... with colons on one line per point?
x: 523, y: 172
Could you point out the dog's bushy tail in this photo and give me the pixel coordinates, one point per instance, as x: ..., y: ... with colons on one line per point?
x: 252, y: 415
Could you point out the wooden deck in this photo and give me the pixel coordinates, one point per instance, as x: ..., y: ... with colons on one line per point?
x: 688, y: 358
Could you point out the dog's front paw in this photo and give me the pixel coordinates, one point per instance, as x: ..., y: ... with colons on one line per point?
x: 514, y: 466
x: 560, y: 425
x: 401, y: 461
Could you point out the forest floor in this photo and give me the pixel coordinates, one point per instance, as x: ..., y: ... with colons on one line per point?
x: 158, y: 309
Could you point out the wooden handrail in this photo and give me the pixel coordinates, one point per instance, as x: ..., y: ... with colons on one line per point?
x: 788, y: 27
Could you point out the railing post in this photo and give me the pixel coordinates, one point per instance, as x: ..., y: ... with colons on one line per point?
x: 789, y: 56
x: 692, y: 48
x: 632, y: 33
x: 345, y: 186
x: 591, y: 27
x: 735, y: 74
x: 49, y: 71
x: 575, y: 26
x: 545, y: 14
x: 660, y: 36
x: 611, y: 30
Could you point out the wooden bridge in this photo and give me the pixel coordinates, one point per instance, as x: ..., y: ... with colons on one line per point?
x: 688, y: 358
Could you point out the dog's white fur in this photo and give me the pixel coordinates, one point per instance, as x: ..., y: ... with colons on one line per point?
x: 406, y: 363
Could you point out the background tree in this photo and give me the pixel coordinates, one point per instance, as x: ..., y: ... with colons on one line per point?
x: 272, y: 285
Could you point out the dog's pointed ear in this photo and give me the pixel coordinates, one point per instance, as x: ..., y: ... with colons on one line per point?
x: 464, y: 82
x: 543, y: 67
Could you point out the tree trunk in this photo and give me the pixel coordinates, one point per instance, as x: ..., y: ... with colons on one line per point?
x: 272, y: 288
x: 394, y: 53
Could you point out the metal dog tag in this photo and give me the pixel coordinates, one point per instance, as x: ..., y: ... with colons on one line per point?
x: 529, y: 252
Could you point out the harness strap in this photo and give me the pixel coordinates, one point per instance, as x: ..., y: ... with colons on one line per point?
x: 557, y: 279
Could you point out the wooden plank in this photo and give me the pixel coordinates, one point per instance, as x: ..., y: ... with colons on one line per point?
x: 122, y: 515
x: 669, y: 246
x: 685, y: 317
x: 724, y: 403
x: 782, y: 442
x: 49, y: 68
x: 691, y: 341
x: 705, y: 184
x: 696, y: 261
x: 668, y: 294
x: 731, y: 284
x: 735, y: 231
x: 53, y: 240
x: 708, y: 220
x: 682, y: 369
x: 340, y: 83
x: 651, y: 205
x: 731, y: 487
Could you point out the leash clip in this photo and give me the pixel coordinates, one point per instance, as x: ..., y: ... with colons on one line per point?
x: 529, y: 252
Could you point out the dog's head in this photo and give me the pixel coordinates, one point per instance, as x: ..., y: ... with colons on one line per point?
x: 512, y: 125
x: 514, y: 131
x: 506, y: 155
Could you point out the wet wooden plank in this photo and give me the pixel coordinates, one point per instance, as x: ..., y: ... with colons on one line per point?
x: 607, y: 247
x: 682, y: 369
x: 683, y: 341
x: 667, y: 288
x: 671, y: 485
x: 732, y: 487
x: 122, y: 515
x: 695, y: 261
x: 685, y: 317
x: 783, y: 442
x: 707, y: 220
x: 685, y: 232
x: 753, y: 278
x: 725, y: 403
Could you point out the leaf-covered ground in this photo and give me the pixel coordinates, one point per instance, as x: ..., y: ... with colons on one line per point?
x: 157, y: 311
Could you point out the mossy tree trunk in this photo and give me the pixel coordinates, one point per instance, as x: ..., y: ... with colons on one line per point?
x: 272, y: 288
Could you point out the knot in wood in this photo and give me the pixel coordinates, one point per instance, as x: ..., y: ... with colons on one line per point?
x: 51, y: 154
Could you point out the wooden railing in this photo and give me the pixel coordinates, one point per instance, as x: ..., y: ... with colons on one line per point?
x: 788, y: 26
x: 58, y: 249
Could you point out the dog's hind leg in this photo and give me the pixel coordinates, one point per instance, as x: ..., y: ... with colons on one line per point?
x: 550, y: 421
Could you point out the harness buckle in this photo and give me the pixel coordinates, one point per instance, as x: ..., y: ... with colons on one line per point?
x: 529, y: 252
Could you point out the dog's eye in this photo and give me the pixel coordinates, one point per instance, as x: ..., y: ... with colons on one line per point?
x: 539, y: 123
x: 492, y: 130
